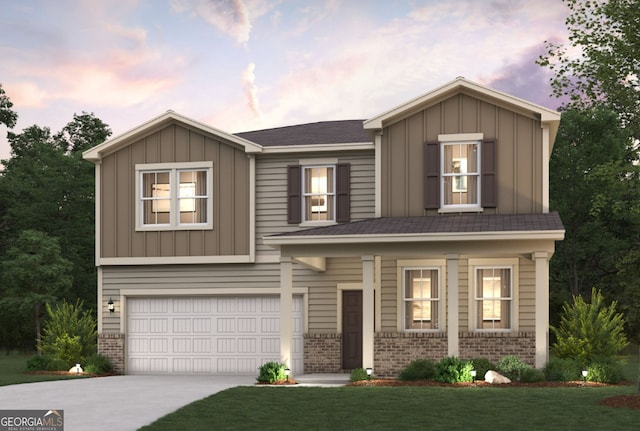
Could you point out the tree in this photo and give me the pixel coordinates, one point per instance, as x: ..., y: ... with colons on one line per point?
x: 7, y: 116
x: 35, y: 273
x: 605, y: 32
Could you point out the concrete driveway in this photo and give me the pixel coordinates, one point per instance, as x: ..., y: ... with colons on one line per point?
x: 116, y: 403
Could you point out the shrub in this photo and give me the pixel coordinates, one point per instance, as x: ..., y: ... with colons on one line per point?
x: 67, y: 349
x: 563, y: 370
x: 453, y: 370
x: 482, y: 365
x: 97, y: 364
x: 272, y: 372
x: 358, y: 374
x: 511, y: 366
x: 605, y: 370
x: 418, y: 369
x: 531, y: 375
x: 588, y: 331
x: 69, y: 321
x: 38, y: 362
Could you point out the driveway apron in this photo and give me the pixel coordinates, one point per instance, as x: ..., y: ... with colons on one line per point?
x: 116, y: 403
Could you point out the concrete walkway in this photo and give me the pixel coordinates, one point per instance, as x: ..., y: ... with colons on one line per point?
x: 116, y: 403
x: 129, y: 402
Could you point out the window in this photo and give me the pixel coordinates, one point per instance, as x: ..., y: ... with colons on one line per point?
x: 174, y: 196
x: 421, y: 299
x: 319, y: 193
x: 460, y: 174
x: 494, y: 298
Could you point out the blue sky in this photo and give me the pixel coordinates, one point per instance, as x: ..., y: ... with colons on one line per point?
x: 242, y: 65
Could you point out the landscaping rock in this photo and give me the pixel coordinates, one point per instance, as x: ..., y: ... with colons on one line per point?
x: 495, y: 378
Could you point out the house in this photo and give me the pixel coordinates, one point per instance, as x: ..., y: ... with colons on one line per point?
x: 422, y: 232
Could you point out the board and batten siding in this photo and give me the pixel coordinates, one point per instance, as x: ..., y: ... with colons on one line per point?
x: 271, y: 193
x: 175, y: 144
x: 518, y: 139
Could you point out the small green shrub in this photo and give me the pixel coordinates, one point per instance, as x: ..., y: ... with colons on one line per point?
x: 563, y: 370
x: 69, y: 320
x: 482, y: 365
x: 358, y: 374
x: 512, y: 367
x: 67, y: 349
x: 531, y: 375
x: 605, y: 370
x: 272, y: 372
x: 97, y: 364
x: 38, y: 362
x: 453, y: 370
x: 418, y: 369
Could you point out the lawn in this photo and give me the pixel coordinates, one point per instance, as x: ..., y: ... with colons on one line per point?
x: 13, y: 367
x: 387, y: 408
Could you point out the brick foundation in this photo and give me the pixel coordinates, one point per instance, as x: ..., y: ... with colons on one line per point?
x: 112, y: 346
x: 395, y: 350
x: 322, y: 353
x: 494, y: 346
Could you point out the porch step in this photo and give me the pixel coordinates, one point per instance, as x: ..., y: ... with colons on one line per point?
x: 322, y: 379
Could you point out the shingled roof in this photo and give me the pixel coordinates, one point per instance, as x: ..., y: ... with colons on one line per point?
x: 324, y: 132
x: 454, y: 224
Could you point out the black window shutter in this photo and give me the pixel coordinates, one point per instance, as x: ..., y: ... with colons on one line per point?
x: 432, y: 175
x: 488, y: 174
x: 294, y: 194
x: 343, y: 192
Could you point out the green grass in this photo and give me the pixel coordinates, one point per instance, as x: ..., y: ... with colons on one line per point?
x: 13, y: 368
x: 386, y: 408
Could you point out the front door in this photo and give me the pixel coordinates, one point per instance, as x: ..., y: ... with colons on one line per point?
x: 351, y: 329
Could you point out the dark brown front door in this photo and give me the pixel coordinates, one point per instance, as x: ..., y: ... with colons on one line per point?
x: 351, y: 329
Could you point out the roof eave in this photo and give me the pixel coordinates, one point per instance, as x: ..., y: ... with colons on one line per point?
x: 346, y: 146
x: 276, y: 241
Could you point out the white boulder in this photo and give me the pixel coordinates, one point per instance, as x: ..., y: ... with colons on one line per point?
x: 77, y: 369
x: 495, y: 378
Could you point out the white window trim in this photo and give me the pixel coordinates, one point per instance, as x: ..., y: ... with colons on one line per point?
x: 332, y: 219
x: 173, y: 169
x: 494, y: 263
x: 425, y: 264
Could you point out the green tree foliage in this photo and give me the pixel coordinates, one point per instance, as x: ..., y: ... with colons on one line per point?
x: 605, y: 33
x: 69, y: 333
x: 46, y: 185
x: 7, y: 116
x: 589, y: 331
x: 34, y: 273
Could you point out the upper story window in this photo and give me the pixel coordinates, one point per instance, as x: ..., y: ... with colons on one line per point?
x: 174, y: 196
x: 460, y: 173
x: 318, y: 192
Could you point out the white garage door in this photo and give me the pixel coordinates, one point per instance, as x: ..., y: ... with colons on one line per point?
x: 208, y: 334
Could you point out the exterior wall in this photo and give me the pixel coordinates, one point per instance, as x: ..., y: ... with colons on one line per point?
x: 271, y: 193
x: 494, y: 346
x: 395, y: 350
x: 519, y: 154
x: 112, y: 346
x: 230, y: 235
x: 322, y: 353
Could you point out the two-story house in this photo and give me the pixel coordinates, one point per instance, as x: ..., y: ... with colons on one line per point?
x: 423, y: 232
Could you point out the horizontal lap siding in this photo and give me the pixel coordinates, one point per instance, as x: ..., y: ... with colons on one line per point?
x: 271, y: 194
x: 527, y: 295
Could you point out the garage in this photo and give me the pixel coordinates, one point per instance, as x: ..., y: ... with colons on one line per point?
x: 186, y: 335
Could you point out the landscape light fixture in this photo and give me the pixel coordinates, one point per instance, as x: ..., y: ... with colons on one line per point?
x: 473, y: 375
x: 287, y: 371
x: 584, y: 375
x: 369, y: 371
x: 110, y: 306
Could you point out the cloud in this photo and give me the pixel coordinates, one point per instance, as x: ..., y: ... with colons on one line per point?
x: 229, y: 16
x: 251, y: 90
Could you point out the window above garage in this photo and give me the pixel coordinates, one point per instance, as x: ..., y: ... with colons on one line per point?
x: 174, y: 196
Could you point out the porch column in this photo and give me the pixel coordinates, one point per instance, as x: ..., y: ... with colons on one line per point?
x: 452, y: 305
x: 286, y: 310
x: 367, y: 311
x: 541, y: 259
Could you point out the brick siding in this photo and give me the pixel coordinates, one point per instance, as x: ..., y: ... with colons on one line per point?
x: 495, y: 345
x: 322, y: 353
x: 112, y: 346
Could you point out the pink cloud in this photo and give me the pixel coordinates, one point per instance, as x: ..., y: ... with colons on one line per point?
x: 251, y: 90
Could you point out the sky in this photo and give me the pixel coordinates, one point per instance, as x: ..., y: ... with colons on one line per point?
x: 241, y: 65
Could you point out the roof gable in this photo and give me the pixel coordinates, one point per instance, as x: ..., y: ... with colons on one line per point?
x: 96, y: 153
x: 547, y: 116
